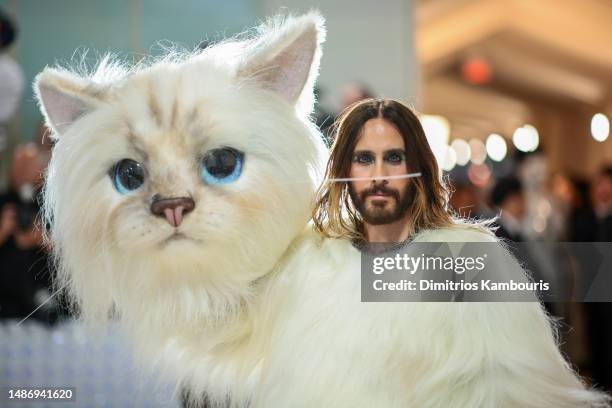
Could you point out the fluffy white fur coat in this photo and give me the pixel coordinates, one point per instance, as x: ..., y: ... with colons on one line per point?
x: 250, y: 307
x: 329, y: 349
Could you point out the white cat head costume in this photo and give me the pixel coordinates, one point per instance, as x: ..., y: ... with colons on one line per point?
x: 175, y: 190
x: 226, y: 130
x: 219, y: 143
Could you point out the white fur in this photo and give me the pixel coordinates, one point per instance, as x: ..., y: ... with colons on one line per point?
x: 328, y: 349
x: 189, y: 303
x: 236, y: 312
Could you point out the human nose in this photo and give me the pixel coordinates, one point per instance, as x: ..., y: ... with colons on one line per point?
x: 380, y: 170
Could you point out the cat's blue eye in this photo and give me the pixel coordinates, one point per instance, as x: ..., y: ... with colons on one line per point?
x: 221, y: 166
x: 127, y: 175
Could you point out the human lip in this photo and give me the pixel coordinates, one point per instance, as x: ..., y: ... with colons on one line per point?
x: 380, y: 196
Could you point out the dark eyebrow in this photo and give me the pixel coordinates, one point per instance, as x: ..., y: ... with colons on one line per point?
x: 398, y: 150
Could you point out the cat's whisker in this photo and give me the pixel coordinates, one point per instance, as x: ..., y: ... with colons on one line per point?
x: 41, y: 305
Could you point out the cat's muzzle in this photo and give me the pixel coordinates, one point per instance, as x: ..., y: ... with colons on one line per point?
x: 173, y: 209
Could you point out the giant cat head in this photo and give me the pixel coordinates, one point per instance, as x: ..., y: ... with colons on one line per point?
x: 178, y: 184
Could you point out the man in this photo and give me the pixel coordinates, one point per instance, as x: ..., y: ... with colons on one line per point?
x: 346, y: 352
x: 380, y: 143
x: 12, y: 81
x: 24, y: 277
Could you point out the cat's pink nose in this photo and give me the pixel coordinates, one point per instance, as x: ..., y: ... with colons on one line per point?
x: 173, y: 209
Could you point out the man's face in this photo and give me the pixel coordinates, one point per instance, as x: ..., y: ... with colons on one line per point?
x: 380, y: 152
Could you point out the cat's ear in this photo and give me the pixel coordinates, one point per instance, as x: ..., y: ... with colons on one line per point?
x: 285, y: 58
x: 64, y: 97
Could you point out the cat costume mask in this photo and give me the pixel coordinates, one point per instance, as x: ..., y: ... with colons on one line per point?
x: 179, y: 194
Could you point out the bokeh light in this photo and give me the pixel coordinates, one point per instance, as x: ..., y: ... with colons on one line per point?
x: 437, y: 131
x: 496, y: 147
x: 478, y: 150
x: 462, y: 151
x: 526, y: 138
x: 600, y: 127
x: 449, y: 159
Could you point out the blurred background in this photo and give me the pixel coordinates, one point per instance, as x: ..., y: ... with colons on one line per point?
x: 515, y: 97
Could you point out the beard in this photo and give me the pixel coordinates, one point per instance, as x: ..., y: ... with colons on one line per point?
x: 385, y: 214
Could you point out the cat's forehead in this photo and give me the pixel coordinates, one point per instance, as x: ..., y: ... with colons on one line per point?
x: 172, y: 98
x: 197, y: 105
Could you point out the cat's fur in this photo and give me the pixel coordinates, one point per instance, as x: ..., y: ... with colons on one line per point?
x: 249, y: 309
x: 329, y: 349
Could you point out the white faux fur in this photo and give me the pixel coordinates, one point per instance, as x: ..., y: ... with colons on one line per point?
x: 252, y: 307
x: 328, y: 349
x: 188, y: 303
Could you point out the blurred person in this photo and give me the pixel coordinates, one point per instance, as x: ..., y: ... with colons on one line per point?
x: 544, y: 218
x: 589, y: 222
x: 24, y: 272
x: 466, y: 202
x: 354, y: 92
x: 591, y: 217
x: 596, y: 226
x: 565, y: 198
x: 350, y: 94
x: 11, y: 77
x: 601, y: 196
x: 582, y: 223
x: 508, y: 198
x: 321, y: 116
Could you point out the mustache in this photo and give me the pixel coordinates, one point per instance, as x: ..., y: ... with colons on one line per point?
x: 379, y: 188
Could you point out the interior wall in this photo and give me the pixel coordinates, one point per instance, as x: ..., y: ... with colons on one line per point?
x: 367, y: 41
x: 56, y: 31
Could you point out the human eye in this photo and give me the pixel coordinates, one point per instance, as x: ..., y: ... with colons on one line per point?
x: 363, y: 158
x: 395, y: 157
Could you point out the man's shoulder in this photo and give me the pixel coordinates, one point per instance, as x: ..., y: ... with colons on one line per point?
x: 460, y: 231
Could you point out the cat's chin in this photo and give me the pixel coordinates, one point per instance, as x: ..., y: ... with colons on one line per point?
x: 178, y: 239
x: 178, y: 242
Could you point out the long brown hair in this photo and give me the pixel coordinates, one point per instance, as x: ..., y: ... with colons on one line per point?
x: 334, y: 213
